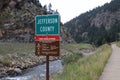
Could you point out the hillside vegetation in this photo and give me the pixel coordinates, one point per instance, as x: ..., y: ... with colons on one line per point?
x: 98, y: 26
x: 86, y: 68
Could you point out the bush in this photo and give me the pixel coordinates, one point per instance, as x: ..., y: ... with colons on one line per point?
x: 71, y: 58
x: 5, y: 61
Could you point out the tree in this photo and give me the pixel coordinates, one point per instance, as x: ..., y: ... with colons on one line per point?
x: 50, y: 7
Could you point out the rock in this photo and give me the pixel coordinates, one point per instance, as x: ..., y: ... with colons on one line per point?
x: 3, y: 75
x: 14, y: 72
x: 18, y: 70
x: 1, y: 65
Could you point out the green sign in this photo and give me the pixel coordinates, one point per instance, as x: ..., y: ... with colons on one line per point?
x: 47, y: 25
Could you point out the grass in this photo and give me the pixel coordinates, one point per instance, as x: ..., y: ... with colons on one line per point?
x: 20, y: 48
x: 24, y: 53
x: 14, y: 49
x: 23, y: 48
x: 76, y: 47
x: 71, y: 58
x: 118, y: 43
x: 86, y: 68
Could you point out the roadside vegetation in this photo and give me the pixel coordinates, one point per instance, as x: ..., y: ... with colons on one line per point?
x: 71, y: 58
x: 86, y: 68
x: 118, y: 43
x: 75, y: 48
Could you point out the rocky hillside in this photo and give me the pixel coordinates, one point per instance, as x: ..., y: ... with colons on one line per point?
x: 98, y: 26
x: 17, y: 20
x: 17, y: 24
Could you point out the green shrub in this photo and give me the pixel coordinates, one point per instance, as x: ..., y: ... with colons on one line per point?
x: 71, y: 58
x: 5, y: 61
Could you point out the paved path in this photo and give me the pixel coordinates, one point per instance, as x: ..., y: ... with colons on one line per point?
x: 112, y: 68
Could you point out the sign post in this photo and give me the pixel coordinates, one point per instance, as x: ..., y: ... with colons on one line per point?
x: 47, y: 39
x: 47, y: 67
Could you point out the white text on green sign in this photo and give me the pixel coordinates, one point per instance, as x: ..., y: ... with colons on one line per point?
x: 47, y: 24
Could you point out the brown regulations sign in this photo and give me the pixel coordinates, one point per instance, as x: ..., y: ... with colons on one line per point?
x: 47, y: 47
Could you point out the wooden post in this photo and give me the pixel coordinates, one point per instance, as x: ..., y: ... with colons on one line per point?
x: 47, y: 67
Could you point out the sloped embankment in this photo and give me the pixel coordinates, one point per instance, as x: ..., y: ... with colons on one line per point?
x: 86, y: 68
